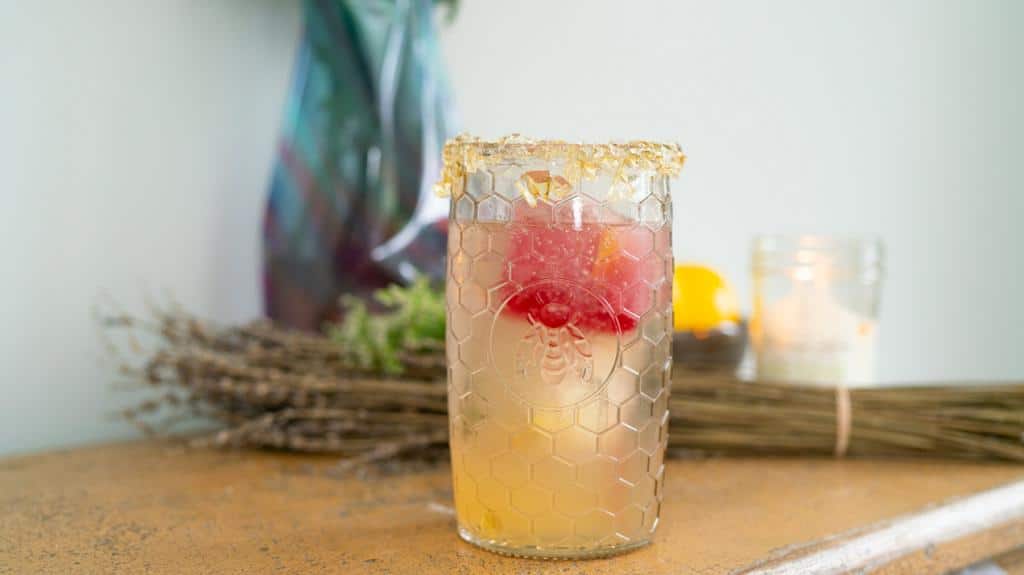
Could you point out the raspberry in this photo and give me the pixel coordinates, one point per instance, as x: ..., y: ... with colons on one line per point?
x: 578, y: 274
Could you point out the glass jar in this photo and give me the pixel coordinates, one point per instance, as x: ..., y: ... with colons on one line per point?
x: 559, y: 342
x: 815, y: 317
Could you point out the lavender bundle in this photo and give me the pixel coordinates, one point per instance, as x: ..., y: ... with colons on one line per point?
x: 373, y: 388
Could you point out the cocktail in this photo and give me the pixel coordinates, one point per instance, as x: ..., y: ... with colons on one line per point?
x: 559, y: 339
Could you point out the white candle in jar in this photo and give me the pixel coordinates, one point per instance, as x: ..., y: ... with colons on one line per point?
x: 808, y: 336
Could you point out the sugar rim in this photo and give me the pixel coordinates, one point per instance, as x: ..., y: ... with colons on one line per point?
x: 466, y: 154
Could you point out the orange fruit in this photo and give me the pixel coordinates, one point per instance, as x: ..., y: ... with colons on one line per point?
x: 701, y: 299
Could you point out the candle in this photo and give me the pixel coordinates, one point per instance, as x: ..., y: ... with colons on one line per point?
x: 814, y: 306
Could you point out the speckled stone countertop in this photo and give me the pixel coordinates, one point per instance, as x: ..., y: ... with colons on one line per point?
x: 148, y: 507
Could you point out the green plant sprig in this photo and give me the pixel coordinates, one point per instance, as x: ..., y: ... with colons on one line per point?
x: 414, y: 321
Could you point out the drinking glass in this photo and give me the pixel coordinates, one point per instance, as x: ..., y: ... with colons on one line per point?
x: 558, y: 342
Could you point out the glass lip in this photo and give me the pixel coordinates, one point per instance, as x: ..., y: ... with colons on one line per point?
x: 540, y: 146
x: 779, y: 251
x: 467, y: 154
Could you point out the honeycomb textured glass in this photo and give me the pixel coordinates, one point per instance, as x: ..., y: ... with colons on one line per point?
x: 558, y: 344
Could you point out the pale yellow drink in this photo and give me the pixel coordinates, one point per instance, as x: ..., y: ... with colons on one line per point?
x: 559, y: 403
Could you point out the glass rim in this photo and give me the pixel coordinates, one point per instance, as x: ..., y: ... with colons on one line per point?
x: 784, y: 250
x: 467, y: 154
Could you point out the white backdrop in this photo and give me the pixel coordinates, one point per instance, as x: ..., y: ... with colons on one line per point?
x: 136, y: 138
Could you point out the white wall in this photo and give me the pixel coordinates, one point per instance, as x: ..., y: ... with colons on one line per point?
x: 136, y: 138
